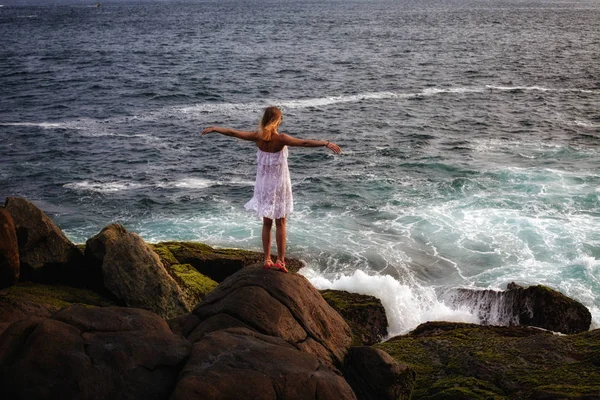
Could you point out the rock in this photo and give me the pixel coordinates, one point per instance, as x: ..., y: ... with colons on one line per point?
x: 469, y: 361
x: 133, y: 272
x: 9, y: 250
x: 98, y: 353
x: 282, y: 305
x: 375, y: 375
x: 217, y: 264
x: 365, y: 315
x: 27, y: 299
x: 45, y: 253
x: 537, y: 306
x: 242, y: 364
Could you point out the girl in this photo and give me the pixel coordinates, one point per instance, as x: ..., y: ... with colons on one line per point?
x: 272, y: 198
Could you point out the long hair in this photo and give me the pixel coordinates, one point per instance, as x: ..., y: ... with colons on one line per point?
x: 269, y: 123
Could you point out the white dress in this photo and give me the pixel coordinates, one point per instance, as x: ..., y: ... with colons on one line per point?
x: 273, y: 188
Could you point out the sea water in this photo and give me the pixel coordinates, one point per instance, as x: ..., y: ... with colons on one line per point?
x: 470, y: 133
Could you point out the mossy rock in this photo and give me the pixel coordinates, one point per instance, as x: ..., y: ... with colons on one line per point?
x: 217, y: 264
x: 505, y: 362
x: 166, y: 257
x: 55, y: 295
x: 464, y: 388
x: 194, y: 285
x: 551, y: 392
x: 365, y: 315
x: 29, y: 299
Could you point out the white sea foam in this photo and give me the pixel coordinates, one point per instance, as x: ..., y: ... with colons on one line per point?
x: 541, y: 89
x: 185, y: 183
x: 103, y: 187
x: 189, y: 183
x: 406, y: 306
x: 44, y: 125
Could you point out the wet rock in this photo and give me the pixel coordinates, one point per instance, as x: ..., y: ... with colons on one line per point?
x: 243, y: 364
x: 375, y: 375
x: 282, y: 305
x: 217, y: 264
x: 9, y: 250
x: 98, y: 353
x: 454, y: 360
x: 133, y: 272
x: 537, y: 306
x: 45, y: 253
x: 365, y: 315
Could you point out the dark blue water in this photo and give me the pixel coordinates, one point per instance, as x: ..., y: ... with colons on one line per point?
x: 470, y: 132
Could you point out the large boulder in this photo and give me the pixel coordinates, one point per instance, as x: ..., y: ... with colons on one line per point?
x: 282, y: 305
x: 375, y: 375
x: 537, y: 306
x: 365, y: 314
x: 9, y: 251
x: 133, y: 272
x: 469, y: 361
x: 45, y: 253
x: 217, y: 264
x: 91, y: 353
x: 240, y: 363
x: 28, y: 299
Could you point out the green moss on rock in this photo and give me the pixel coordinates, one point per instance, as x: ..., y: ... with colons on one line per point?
x: 566, y: 392
x: 166, y: 257
x: 459, y: 387
x: 215, y: 263
x: 509, y: 362
x: 194, y: 285
x: 193, y: 279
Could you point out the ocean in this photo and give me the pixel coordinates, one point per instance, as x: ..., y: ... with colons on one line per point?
x: 470, y: 133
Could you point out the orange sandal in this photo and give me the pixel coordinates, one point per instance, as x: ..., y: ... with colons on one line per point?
x: 280, y: 265
x: 268, y: 264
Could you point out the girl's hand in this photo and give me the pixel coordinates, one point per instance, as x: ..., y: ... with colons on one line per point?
x: 333, y: 147
x: 209, y: 129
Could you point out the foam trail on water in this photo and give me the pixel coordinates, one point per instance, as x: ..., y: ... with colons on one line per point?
x: 542, y: 89
x: 406, y: 306
x: 185, y: 183
x: 103, y: 187
x: 198, y: 111
x: 44, y: 125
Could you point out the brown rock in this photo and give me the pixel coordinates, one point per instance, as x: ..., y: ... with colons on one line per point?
x: 375, y: 375
x: 45, y: 253
x: 365, y: 315
x: 9, y: 250
x: 100, y: 353
x: 286, y: 306
x: 133, y: 272
x: 242, y: 364
x: 537, y: 306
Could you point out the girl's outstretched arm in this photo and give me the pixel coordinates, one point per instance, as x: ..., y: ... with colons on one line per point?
x: 252, y: 136
x: 291, y: 141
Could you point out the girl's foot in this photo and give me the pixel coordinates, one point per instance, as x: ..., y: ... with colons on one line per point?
x: 268, y: 264
x: 280, y: 265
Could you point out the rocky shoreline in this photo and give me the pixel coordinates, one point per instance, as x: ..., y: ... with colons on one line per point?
x: 121, y: 318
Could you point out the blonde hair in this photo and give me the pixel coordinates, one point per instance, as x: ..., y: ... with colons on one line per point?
x: 269, y: 123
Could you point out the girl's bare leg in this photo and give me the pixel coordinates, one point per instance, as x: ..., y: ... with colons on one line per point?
x: 280, y: 236
x: 266, y: 237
